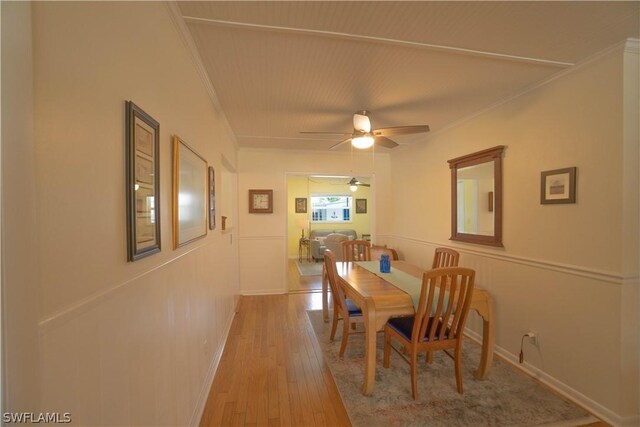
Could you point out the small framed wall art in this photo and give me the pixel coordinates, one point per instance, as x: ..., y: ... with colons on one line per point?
x: 143, y: 182
x: 189, y: 194
x: 301, y: 205
x: 260, y: 201
x: 361, y: 206
x: 558, y: 186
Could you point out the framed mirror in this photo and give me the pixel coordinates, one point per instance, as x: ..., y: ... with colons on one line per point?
x: 476, y: 197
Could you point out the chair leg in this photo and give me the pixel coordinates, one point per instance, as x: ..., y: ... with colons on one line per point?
x: 345, y: 336
x: 458, y: 365
x: 334, y: 326
x: 387, y: 349
x: 414, y: 379
x: 429, y: 357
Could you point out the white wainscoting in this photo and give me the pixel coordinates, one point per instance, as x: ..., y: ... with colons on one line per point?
x: 145, y: 351
x: 566, y: 305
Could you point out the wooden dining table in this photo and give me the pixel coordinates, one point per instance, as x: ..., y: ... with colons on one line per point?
x: 379, y: 300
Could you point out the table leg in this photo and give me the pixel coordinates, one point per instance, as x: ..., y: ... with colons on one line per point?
x: 483, y: 305
x: 369, y: 313
x: 325, y: 297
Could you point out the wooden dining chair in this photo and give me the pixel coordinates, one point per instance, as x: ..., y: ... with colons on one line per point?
x: 438, y: 323
x: 377, y: 251
x: 343, y: 308
x: 444, y: 257
x: 356, y: 250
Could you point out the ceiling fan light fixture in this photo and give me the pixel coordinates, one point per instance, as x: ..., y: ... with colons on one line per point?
x: 362, y: 142
x: 353, y: 187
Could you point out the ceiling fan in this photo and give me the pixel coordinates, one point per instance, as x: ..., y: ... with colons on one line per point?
x: 354, y: 183
x: 364, y: 137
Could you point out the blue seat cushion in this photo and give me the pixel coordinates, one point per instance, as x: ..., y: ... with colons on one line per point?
x: 352, y: 308
x: 404, y: 325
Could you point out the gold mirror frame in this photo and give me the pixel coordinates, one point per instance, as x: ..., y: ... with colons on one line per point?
x: 485, y: 156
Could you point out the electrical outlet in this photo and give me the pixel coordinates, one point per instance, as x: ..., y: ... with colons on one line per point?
x: 533, y: 337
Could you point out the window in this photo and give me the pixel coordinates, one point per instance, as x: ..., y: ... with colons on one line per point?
x: 331, y: 208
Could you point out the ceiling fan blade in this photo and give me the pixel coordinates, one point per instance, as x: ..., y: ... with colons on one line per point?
x: 383, y: 141
x: 340, y: 143
x: 361, y: 121
x: 328, y: 133
x: 354, y: 181
x: 401, y: 130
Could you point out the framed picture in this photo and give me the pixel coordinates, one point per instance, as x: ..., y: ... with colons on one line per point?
x: 260, y: 201
x: 212, y: 198
x: 361, y: 206
x: 558, y: 186
x: 189, y: 194
x: 142, y: 139
x: 301, y: 205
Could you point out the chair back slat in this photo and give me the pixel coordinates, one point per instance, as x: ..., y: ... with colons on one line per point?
x: 457, y: 297
x: 444, y: 257
x: 356, y: 250
x: 332, y: 274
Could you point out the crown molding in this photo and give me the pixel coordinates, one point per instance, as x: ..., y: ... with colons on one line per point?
x: 185, y: 36
x: 625, y: 46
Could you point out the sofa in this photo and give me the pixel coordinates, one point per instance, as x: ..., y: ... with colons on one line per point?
x: 318, y: 241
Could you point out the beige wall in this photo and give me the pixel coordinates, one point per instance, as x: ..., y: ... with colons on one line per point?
x: 263, y: 237
x: 562, y: 272
x: 119, y: 343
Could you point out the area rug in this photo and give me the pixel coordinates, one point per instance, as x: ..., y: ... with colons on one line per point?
x: 309, y: 268
x: 506, y: 398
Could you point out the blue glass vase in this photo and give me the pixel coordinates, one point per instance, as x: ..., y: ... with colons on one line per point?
x: 385, y: 264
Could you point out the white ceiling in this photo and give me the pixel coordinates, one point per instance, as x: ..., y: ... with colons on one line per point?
x: 279, y: 68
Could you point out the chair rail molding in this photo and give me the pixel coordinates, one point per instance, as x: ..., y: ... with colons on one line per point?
x: 576, y: 270
x: 86, y: 304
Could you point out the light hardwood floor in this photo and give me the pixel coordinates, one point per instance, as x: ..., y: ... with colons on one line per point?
x: 297, y: 283
x: 272, y: 371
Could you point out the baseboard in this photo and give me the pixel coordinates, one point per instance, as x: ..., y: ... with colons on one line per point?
x: 196, y: 416
x: 264, y: 292
x: 559, y: 387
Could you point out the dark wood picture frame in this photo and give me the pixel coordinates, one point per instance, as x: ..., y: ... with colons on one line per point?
x: 189, y: 177
x: 260, y: 201
x: 301, y: 205
x: 142, y: 141
x: 212, y: 198
x: 361, y: 206
x: 558, y: 186
x: 485, y: 156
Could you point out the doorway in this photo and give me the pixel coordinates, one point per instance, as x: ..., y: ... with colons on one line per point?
x: 318, y: 205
